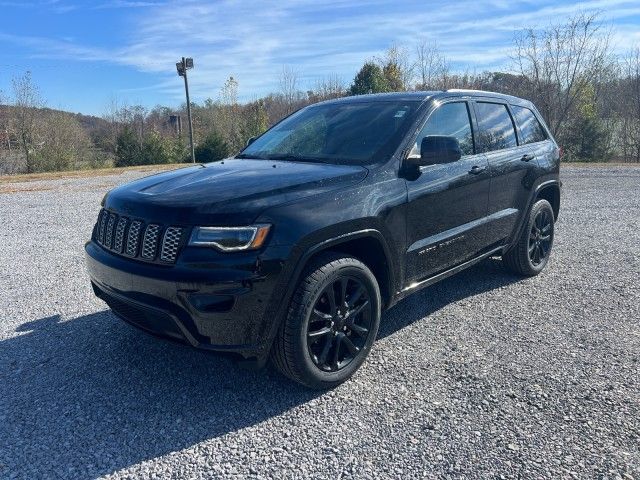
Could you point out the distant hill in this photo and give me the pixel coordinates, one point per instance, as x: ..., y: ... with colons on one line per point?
x: 91, y: 124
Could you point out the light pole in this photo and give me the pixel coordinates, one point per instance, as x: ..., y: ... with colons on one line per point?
x: 182, y: 67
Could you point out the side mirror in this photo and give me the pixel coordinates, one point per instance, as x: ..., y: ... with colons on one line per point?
x: 250, y: 141
x: 437, y: 149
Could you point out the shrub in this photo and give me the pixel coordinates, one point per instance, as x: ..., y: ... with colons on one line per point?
x: 211, y: 149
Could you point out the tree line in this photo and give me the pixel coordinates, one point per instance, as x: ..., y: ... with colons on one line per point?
x: 589, y: 97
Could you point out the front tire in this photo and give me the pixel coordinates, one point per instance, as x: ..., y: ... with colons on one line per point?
x: 331, y: 324
x: 531, y: 252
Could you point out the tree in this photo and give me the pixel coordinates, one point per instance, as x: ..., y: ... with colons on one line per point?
x: 26, y: 103
x: 62, y: 143
x: 127, y: 148
x: 256, y: 119
x: 331, y: 86
x: 393, y: 77
x: 370, y: 79
x: 228, y: 115
x: 211, y: 149
x: 630, y: 108
x: 289, y: 87
x: 560, y: 62
x: 432, y: 66
x: 397, y: 68
x: 587, y: 138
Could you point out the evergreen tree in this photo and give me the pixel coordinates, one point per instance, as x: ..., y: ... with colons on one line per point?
x: 211, y: 149
x: 370, y: 79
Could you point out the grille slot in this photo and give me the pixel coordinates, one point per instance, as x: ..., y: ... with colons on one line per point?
x: 170, y: 244
x: 102, y: 226
x: 118, y: 240
x: 108, y: 237
x: 133, y: 238
x: 150, y: 242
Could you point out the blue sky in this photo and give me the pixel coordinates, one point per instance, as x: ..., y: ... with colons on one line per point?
x: 84, y: 54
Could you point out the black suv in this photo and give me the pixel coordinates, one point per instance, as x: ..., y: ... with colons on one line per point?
x: 291, y: 249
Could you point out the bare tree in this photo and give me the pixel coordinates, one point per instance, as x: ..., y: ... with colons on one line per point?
x: 289, y: 87
x: 560, y: 62
x: 26, y: 103
x: 630, y: 107
x: 229, y: 92
x: 4, y: 124
x: 228, y: 118
x: 114, y: 114
x: 432, y: 66
x: 330, y: 86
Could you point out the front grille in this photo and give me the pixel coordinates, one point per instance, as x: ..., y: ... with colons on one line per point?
x: 134, y: 238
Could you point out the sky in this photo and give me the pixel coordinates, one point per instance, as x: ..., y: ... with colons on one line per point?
x: 85, y: 55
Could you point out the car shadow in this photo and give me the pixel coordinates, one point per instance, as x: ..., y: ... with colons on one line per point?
x: 488, y: 275
x: 94, y: 392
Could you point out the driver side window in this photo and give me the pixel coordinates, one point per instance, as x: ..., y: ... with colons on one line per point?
x: 450, y: 120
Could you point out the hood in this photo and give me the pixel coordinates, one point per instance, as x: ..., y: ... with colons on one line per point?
x: 229, y: 192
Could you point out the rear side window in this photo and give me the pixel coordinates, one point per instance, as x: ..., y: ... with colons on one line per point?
x: 529, y: 125
x: 496, y: 127
x: 451, y: 120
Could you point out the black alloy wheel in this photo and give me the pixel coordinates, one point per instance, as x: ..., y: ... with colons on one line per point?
x: 340, y: 324
x: 540, y: 237
x: 530, y: 253
x: 331, y: 324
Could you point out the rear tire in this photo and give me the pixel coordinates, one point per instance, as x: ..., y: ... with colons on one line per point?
x: 331, y: 323
x: 531, y: 252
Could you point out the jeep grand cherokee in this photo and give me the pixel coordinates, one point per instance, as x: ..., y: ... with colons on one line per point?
x: 291, y: 249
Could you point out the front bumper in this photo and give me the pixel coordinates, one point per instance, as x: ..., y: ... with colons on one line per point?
x: 221, y: 302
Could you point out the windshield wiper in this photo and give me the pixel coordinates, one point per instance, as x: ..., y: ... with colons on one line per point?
x: 293, y: 158
x: 248, y: 155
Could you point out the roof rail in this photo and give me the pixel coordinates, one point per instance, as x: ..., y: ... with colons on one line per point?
x: 470, y: 90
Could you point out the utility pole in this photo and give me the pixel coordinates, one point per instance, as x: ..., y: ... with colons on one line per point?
x: 182, y: 67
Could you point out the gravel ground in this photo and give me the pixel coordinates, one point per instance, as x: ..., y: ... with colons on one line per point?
x: 482, y: 375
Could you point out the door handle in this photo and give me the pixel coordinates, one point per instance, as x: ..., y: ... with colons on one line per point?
x: 475, y: 170
x: 527, y: 157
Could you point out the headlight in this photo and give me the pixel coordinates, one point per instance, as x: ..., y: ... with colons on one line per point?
x: 230, y: 239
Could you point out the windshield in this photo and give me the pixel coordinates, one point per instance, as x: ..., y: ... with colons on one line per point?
x: 348, y: 133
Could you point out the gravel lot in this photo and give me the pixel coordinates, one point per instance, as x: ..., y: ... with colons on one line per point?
x: 482, y: 375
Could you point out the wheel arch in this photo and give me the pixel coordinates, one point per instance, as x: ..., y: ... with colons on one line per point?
x: 550, y: 191
x: 368, y: 246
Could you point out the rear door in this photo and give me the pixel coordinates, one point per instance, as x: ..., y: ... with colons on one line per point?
x: 447, y: 203
x: 512, y: 167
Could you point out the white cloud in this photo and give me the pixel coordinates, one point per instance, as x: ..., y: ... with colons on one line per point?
x: 252, y: 40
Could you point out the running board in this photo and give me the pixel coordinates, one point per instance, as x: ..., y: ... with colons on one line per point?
x: 447, y: 273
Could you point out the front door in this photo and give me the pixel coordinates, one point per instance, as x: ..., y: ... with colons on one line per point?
x: 447, y: 203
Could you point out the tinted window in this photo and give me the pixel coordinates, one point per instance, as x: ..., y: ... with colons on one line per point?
x: 529, y: 125
x: 496, y: 127
x: 345, y: 132
x: 451, y: 120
